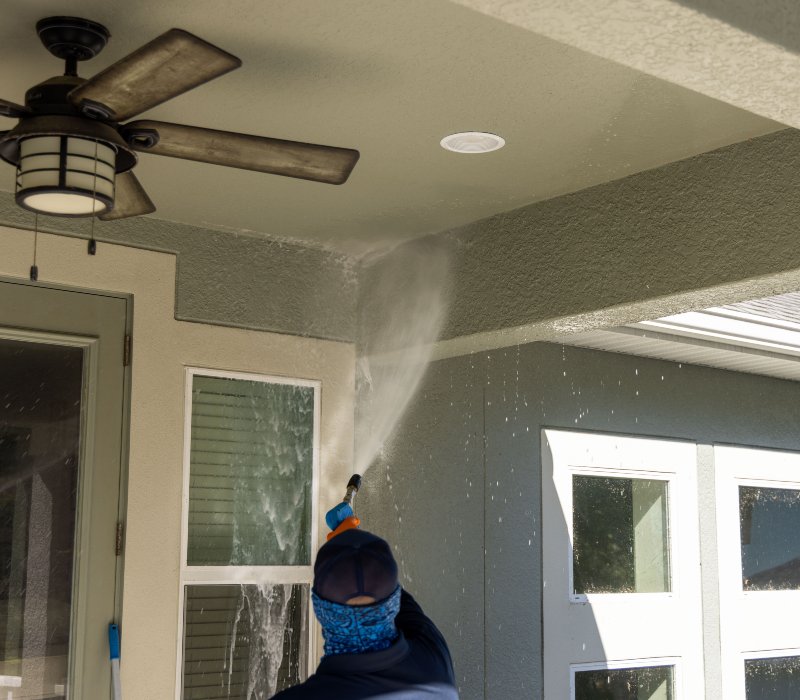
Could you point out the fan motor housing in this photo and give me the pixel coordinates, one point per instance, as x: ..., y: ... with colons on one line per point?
x: 72, y: 38
x: 50, y: 97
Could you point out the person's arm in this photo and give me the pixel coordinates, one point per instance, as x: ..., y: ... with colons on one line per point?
x: 415, y: 624
x: 411, y: 618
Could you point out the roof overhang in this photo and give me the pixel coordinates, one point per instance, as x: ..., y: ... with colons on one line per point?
x: 716, y: 337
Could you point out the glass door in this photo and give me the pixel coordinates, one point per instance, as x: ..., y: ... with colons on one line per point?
x: 40, y: 416
x: 622, y: 614
x: 758, y: 530
x: 61, y: 412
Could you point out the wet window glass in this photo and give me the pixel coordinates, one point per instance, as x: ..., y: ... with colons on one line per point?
x: 244, y: 642
x: 40, y: 415
x: 620, y: 535
x: 250, y: 473
x: 647, y: 683
x: 770, y: 533
x: 772, y: 679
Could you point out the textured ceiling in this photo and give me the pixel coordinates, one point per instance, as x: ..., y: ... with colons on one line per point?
x: 390, y: 79
x: 742, y: 52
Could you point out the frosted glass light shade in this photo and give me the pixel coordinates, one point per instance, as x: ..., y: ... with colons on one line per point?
x: 65, y: 176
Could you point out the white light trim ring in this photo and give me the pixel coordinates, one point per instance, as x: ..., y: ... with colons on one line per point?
x: 472, y: 142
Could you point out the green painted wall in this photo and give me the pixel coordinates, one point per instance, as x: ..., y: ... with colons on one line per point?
x: 463, y: 475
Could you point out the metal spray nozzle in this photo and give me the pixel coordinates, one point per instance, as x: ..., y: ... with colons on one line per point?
x: 352, y: 488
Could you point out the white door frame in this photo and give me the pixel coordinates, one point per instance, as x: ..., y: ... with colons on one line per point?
x: 96, y: 322
x: 615, y: 630
x: 753, y: 624
x: 227, y: 575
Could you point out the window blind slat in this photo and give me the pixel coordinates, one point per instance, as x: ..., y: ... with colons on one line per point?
x: 251, y: 465
x: 228, y: 648
x: 250, y: 473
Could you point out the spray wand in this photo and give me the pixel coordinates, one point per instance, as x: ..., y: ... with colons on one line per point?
x: 342, y: 516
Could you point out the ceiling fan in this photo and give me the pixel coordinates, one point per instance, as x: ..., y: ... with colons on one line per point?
x: 73, y: 154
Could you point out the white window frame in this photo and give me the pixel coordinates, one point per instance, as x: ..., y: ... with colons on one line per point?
x: 673, y: 529
x: 617, y: 664
x: 566, y: 453
x: 227, y: 575
x: 736, y: 466
x: 742, y: 635
x: 731, y: 557
x: 763, y: 654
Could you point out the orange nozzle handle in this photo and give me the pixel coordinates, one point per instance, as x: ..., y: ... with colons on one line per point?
x: 346, y: 524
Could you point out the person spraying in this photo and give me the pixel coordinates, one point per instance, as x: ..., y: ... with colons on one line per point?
x: 378, y: 641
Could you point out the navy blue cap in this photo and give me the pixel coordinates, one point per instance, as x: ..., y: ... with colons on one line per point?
x: 355, y: 563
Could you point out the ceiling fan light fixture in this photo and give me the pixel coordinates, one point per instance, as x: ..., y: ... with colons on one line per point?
x: 472, y: 142
x: 62, y: 175
x: 74, y: 155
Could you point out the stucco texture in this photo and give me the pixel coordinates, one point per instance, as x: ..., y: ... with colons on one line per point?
x: 737, y: 51
x: 162, y: 349
x: 228, y: 279
x: 708, y: 230
x: 458, y: 490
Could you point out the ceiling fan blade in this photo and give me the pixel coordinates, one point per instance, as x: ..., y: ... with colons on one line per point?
x: 130, y: 199
x: 307, y: 161
x: 13, y: 110
x: 168, y: 66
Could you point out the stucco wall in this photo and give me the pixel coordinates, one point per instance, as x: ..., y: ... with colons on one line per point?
x: 713, y: 229
x: 229, y: 279
x: 162, y: 348
x: 463, y: 475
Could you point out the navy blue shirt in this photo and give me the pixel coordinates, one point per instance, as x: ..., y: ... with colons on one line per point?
x: 416, y: 667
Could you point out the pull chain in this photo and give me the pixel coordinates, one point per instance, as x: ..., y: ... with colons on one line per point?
x: 92, y: 242
x: 34, y: 268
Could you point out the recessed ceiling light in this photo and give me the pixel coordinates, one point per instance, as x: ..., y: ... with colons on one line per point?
x: 472, y: 142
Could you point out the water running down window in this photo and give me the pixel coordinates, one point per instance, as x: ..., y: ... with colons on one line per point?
x: 250, y: 474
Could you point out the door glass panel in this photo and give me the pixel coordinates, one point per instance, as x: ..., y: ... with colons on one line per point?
x: 772, y: 679
x: 245, y: 641
x: 250, y: 473
x: 620, y: 535
x: 648, y: 683
x: 769, y: 522
x: 40, y: 413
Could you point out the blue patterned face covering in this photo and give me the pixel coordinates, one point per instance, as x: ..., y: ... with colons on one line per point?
x: 354, y: 629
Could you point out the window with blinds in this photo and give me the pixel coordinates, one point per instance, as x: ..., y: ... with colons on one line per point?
x: 250, y: 472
